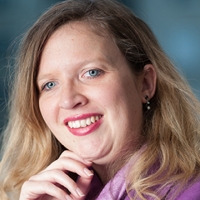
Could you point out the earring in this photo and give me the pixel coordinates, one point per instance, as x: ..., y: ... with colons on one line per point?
x: 147, y: 103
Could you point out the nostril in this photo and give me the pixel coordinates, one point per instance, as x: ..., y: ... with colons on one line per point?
x: 78, y: 104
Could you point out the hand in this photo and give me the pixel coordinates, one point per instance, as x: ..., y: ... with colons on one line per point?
x: 49, y: 183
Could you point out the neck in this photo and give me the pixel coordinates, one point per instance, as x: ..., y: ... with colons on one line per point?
x: 102, y: 173
x: 107, y: 172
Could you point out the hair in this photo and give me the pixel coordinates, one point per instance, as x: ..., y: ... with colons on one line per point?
x: 171, y: 128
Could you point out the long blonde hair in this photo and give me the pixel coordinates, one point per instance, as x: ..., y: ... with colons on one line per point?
x: 171, y: 128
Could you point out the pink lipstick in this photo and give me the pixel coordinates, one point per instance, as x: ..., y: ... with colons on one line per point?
x: 84, y: 124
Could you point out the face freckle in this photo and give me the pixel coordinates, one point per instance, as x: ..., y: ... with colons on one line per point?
x: 101, y: 110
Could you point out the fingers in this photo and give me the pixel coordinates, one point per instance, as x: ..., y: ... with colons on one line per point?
x: 69, y: 154
x: 42, y: 189
x: 69, y: 160
x: 67, y: 164
x: 54, y: 181
x: 56, y: 176
x: 84, y: 184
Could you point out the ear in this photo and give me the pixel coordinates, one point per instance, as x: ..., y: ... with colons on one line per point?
x: 148, y: 82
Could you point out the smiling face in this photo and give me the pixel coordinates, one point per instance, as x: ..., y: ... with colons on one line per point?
x: 88, y: 95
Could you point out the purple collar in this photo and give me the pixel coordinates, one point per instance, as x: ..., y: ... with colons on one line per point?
x: 114, y: 189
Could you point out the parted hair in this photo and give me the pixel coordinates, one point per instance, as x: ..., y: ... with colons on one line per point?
x: 171, y: 127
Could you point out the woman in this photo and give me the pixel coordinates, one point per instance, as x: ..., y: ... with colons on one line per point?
x: 99, y: 112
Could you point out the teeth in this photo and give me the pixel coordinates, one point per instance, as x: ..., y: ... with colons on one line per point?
x: 77, y: 124
x: 92, y: 119
x: 84, y: 122
x: 74, y: 124
x: 88, y: 121
x: 70, y: 124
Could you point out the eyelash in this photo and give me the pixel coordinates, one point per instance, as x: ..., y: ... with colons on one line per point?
x: 99, y: 72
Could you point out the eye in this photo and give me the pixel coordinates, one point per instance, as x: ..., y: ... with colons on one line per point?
x: 93, y: 73
x: 48, y: 86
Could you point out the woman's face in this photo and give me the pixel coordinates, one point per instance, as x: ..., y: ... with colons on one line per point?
x: 89, y: 98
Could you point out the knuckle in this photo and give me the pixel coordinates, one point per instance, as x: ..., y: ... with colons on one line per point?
x: 65, y: 153
x: 74, y: 185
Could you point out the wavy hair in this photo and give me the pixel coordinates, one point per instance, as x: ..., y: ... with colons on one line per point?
x: 171, y: 128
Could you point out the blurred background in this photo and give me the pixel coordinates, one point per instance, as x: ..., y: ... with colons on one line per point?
x: 176, y: 24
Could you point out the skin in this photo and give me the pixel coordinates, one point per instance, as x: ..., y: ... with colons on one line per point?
x: 83, y: 74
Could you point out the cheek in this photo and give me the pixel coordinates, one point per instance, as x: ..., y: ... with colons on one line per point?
x: 42, y: 107
x: 127, y: 101
x: 116, y: 95
x: 46, y: 110
x: 112, y: 90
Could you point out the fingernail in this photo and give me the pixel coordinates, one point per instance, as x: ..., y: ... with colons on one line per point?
x: 68, y: 197
x: 88, y: 172
x: 79, y: 192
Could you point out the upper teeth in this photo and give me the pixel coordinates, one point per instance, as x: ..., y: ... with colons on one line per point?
x: 83, y: 122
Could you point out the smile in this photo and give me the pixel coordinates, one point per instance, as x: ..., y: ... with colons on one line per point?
x: 83, y: 122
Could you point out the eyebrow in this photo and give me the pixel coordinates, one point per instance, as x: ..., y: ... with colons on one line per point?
x: 42, y: 77
x: 82, y: 63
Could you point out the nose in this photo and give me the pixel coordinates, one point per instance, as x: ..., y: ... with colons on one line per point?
x: 72, y: 97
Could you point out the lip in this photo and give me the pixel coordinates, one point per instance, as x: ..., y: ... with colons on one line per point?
x: 82, y: 131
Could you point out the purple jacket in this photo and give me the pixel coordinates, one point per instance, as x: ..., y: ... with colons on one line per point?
x: 115, y: 189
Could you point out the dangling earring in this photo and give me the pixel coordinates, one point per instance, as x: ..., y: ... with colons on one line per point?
x: 147, y: 103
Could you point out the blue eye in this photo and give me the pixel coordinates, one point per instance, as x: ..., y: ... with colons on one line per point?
x: 93, y: 73
x: 49, y: 85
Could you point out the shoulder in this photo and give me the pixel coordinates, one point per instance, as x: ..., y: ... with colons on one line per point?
x: 192, y: 192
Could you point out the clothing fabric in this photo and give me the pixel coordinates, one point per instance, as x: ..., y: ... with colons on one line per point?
x: 115, y: 189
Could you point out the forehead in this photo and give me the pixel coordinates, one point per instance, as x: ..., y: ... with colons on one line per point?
x: 78, y: 38
x: 86, y: 27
